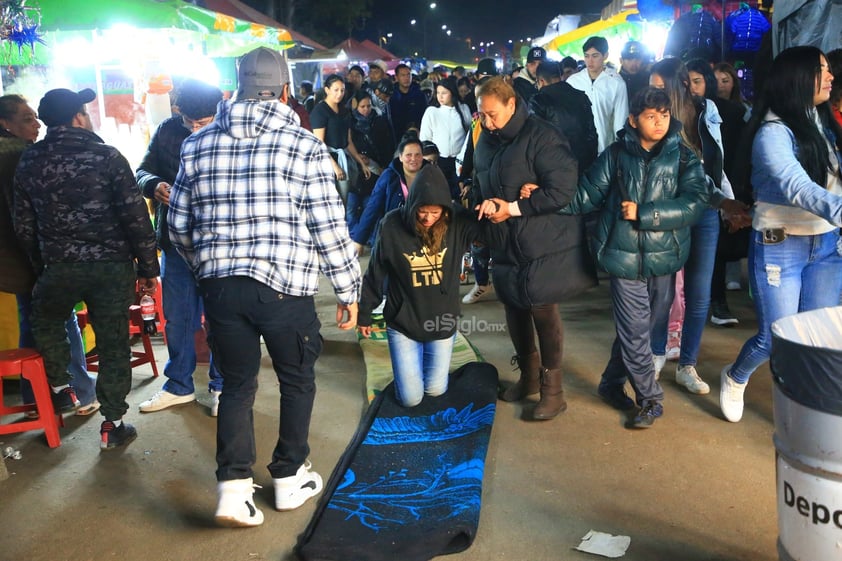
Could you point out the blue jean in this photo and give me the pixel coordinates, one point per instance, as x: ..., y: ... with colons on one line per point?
x: 82, y: 382
x: 419, y: 367
x: 698, y: 272
x: 354, y: 210
x: 636, y: 304
x: 799, y: 274
x: 183, y: 310
x: 240, y: 310
x: 480, y: 255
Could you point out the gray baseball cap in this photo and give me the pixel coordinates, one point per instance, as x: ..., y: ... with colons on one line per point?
x: 262, y: 74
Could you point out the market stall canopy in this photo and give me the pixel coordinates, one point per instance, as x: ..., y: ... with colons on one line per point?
x: 172, y: 21
x: 619, y: 6
x: 240, y: 10
x: 366, y: 51
x: 806, y: 22
x: 616, y: 27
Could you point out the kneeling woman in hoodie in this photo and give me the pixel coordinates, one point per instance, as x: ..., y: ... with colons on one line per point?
x: 416, y: 263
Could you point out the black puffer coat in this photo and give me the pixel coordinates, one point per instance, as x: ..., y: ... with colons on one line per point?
x: 540, y: 256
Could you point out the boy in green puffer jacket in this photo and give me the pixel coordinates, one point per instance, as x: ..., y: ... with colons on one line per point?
x: 649, y: 189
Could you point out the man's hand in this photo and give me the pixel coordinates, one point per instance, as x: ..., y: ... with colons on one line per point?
x: 628, y: 210
x: 162, y: 192
x: 358, y: 249
x: 365, y: 330
x: 346, y: 315
x: 496, y: 210
x: 147, y: 286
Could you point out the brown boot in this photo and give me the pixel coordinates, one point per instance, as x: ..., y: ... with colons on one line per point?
x: 552, y: 395
x: 529, y: 383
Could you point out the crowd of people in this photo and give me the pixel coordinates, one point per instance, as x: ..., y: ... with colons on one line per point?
x: 544, y: 175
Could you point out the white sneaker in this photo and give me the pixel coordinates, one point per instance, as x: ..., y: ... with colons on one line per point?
x: 163, y: 399
x: 689, y: 378
x: 293, y: 491
x: 731, y: 396
x: 214, y: 408
x: 478, y: 293
x: 659, y: 361
x: 236, y: 507
x: 380, y: 307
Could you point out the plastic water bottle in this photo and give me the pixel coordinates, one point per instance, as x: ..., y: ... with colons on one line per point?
x: 147, y: 312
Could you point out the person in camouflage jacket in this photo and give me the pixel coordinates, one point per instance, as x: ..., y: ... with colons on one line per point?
x: 83, y: 223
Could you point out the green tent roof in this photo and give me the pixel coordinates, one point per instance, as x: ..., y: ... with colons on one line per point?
x: 218, y: 34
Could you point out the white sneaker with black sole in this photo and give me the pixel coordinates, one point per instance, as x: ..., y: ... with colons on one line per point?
x: 293, y: 491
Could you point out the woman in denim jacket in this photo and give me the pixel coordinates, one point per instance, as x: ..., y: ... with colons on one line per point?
x: 794, y: 260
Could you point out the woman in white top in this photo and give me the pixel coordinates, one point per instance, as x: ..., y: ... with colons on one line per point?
x: 446, y: 124
x: 794, y: 262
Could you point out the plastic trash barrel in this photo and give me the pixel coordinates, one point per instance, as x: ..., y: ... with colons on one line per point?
x: 806, y: 365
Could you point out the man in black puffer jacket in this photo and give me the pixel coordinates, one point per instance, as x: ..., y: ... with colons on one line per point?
x: 568, y: 109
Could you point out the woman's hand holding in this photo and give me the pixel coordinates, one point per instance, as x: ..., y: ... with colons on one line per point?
x: 340, y: 173
x: 526, y: 190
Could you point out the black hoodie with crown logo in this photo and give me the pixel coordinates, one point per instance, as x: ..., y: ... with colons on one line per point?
x: 422, y: 289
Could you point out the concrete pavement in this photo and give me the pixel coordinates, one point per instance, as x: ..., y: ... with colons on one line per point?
x: 692, y: 488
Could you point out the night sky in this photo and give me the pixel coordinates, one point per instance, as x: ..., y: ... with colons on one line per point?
x: 489, y: 20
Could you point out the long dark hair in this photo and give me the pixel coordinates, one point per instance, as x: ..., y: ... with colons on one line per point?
x: 701, y: 66
x: 788, y: 92
x: 683, y: 105
x: 449, y: 84
x: 432, y: 238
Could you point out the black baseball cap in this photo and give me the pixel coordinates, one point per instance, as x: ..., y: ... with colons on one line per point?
x: 487, y: 67
x: 58, y: 106
x: 633, y: 49
x: 536, y: 53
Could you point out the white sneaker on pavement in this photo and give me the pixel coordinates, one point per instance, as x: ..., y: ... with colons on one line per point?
x: 214, y: 408
x: 163, y: 399
x: 478, y: 293
x: 689, y: 378
x: 659, y: 361
x: 731, y: 396
x: 293, y: 491
x: 236, y: 508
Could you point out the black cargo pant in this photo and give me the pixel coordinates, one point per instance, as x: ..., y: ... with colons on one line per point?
x: 108, y: 289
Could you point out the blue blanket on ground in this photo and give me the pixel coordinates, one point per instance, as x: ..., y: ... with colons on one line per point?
x: 409, y: 485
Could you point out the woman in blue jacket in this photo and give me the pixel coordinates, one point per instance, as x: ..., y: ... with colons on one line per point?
x: 794, y: 263
x: 390, y: 191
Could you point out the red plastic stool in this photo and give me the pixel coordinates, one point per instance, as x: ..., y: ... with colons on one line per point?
x: 29, y: 364
x: 147, y: 356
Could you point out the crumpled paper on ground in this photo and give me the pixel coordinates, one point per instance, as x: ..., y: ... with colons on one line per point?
x: 600, y: 543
